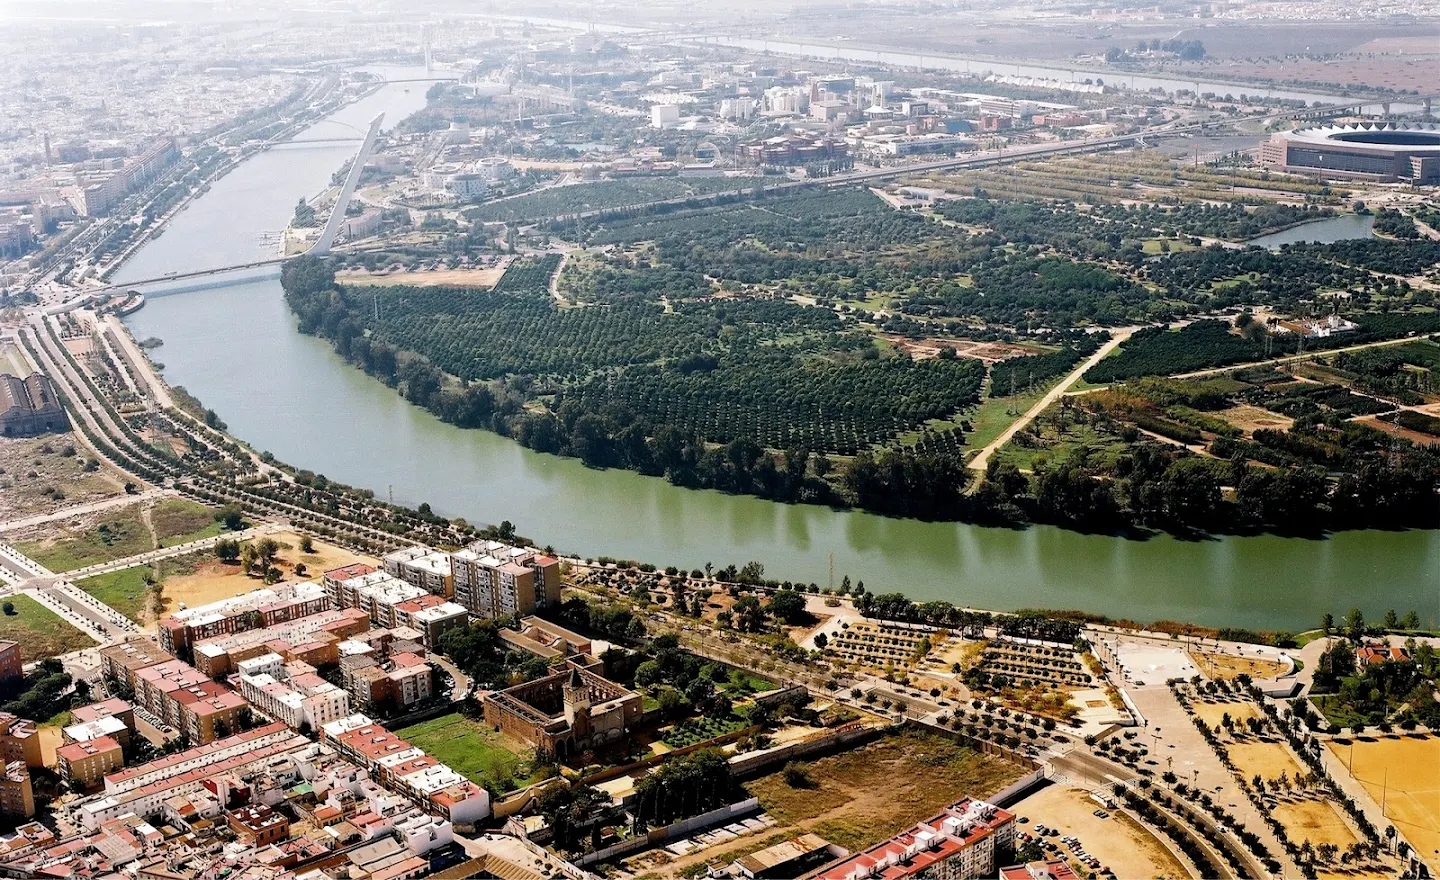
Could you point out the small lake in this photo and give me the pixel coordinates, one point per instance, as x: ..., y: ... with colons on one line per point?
x: 1331, y: 229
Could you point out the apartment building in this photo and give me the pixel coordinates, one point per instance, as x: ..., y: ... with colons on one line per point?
x: 422, y: 567
x: 11, y: 663
x: 258, y: 825
x: 333, y: 578
x: 19, y: 741
x: 210, y: 711
x: 969, y: 839
x: 433, y: 786
x: 17, y: 797
x: 155, y: 688
x: 89, y: 731
x: 257, y: 609
x: 432, y: 617
x: 291, y: 693
x: 377, y: 594
x: 84, y: 765
x: 313, y: 638
x: 497, y: 580
x: 119, y: 662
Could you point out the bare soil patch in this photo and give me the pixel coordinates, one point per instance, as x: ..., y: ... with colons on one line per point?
x: 1213, y: 713
x: 1315, y: 821
x: 212, y: 580
x: 1227, y: 666
x: 1269, y: 760
x: 1252, y: 418
x: 1404, y: 773
x: 857, y: 798
x: 37, y: 476
x: 433, y: 278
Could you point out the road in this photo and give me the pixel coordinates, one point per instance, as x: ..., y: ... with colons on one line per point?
x: 978, y: 462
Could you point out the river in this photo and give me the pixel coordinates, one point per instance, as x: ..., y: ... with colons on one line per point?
x: 237, y: 349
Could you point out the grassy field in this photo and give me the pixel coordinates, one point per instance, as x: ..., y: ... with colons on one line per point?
x: 994, y: 414
x: 123, y: 590
x: 1024, y: 448
x: 862, y: 796
x: 114, y: 534
x: 178, y: 521
x: 474, y: 751
x: 40, y: 632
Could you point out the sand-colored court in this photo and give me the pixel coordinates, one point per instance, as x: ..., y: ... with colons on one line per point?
x: 1402, y: 773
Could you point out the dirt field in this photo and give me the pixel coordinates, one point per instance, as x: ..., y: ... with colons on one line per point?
x: 1404, y: 772
x: 436, y: 278
x: 1213, y: 713
x: 214, y: 580
x: 1315, y: 821
x: 1227, y: 666
x: 1119, y: 842
x: 1267, y: 759
x: 1392, y: 72
x: 988, y: 352
x: 1252, y: 418
x: 31, y: 476
x: 856, y: 798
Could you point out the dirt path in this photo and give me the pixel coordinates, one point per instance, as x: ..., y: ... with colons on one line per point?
x: 146, y: 510
x: 1215, y: 371
x: 978, y: 462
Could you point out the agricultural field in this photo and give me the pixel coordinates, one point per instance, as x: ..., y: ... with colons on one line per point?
x: 794, y: 346
x: 41, y: 474
x: 878, y: 646
x: 40, y: 631
x: 473, y: 750
x: 1404, y: 773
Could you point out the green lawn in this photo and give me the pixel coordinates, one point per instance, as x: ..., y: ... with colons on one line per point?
x: 123, y: 590
x: 178, y: 521
x: 40, y: 632
x: 118, y: 534
x: 474, y: 751
x: 994, y: 414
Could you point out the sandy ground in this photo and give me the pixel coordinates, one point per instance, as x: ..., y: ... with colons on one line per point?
x: 1223, y: 667
x: 1403, y: 773
x: 1315, y: 821
x: 1118, y: 842
x: 1252, y: 418
x: 1213, y: 713
x: 22, y: 495
x: 50, y: 740
x: 1267, y: 759
x: 215, y: 580
x: 434, y: 278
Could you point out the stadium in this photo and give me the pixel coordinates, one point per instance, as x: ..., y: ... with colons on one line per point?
x: 1386, y: 151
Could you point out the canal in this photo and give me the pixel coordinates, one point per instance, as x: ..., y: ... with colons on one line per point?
x: 237, y: 349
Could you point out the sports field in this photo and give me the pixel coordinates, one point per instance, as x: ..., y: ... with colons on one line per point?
x: 1403, y: 774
